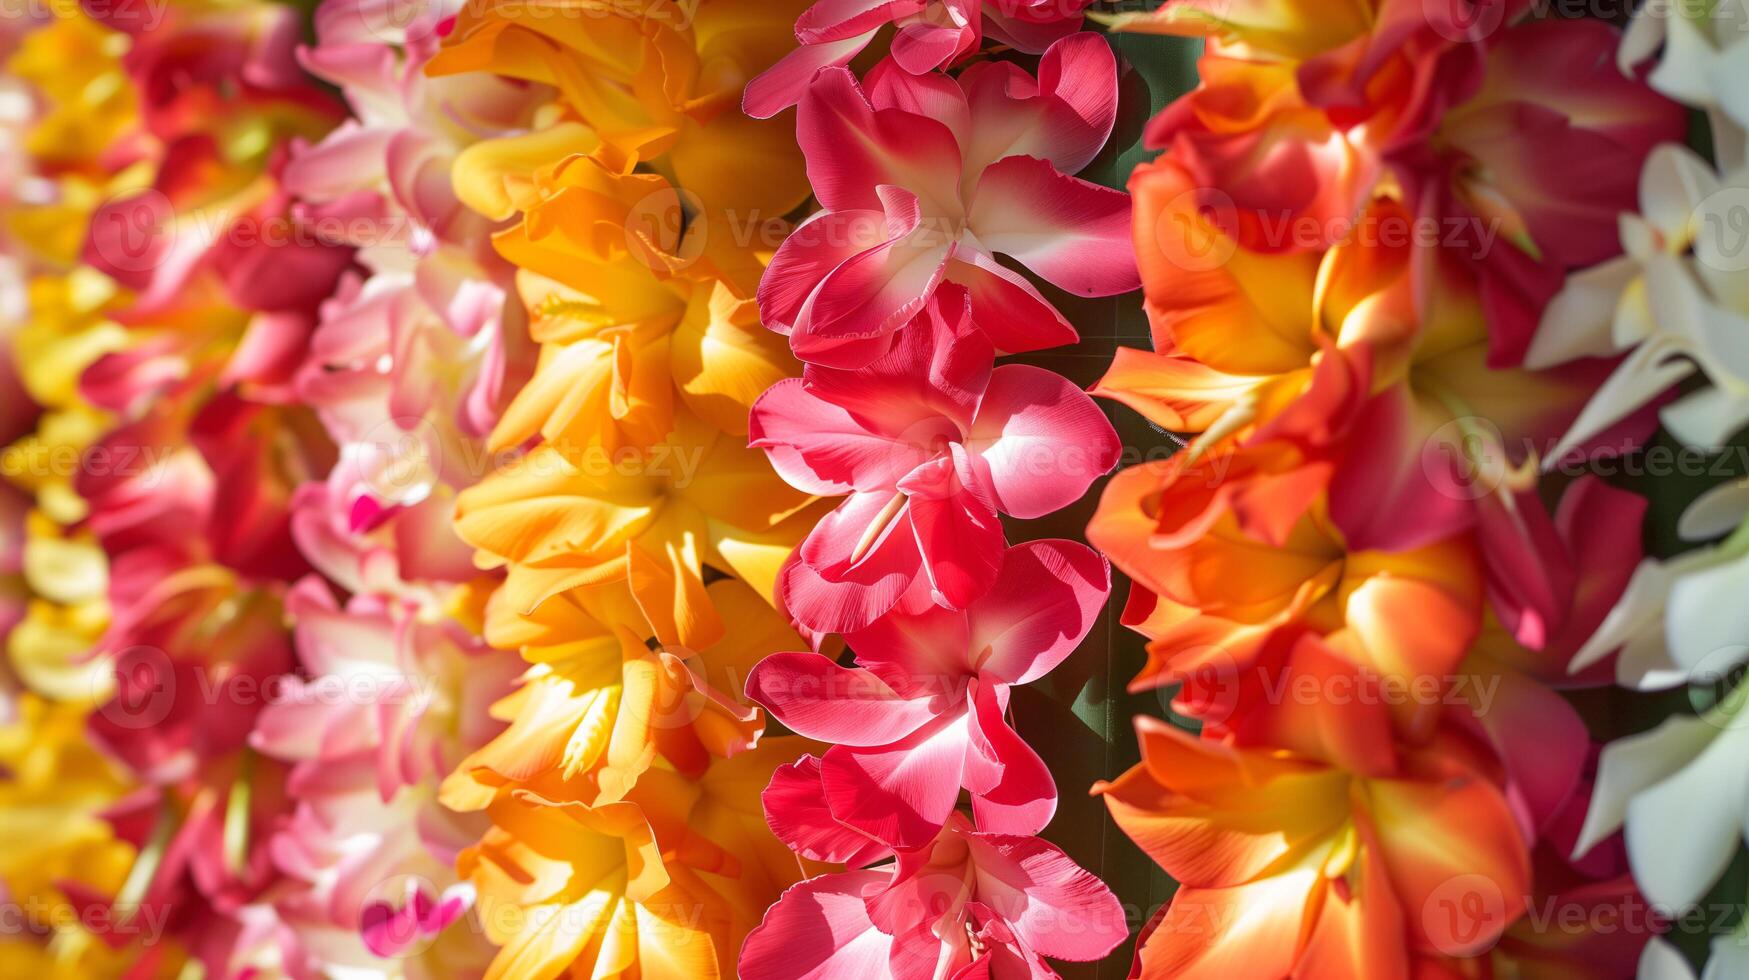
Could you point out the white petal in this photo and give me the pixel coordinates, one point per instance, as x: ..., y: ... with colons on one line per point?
x: 1652, y: 369
x: 1639, y: 612
x: 1673, y: 184
x: 1715, y: 513
x: 1628, y: 766
x: 1707, y: 418
x: 1683, y: 832
x: 1730, y: 959
x: 1660, y: 960
x: 1709, y: 620
x: 1577, y: 321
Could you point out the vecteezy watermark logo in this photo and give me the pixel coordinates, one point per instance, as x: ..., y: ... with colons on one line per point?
x: 1212, y: 685
x: 128, y: 232
x: 399, y: 460
x: 1464, y: 21
x: 1465, y: 915
x: 1721, y: 230
x: 1716, y: 690
x: 144, y: 689
x: 669, y: 215
x: 1465, y: 459
x: 1195, y: 230
x: 396, y: 21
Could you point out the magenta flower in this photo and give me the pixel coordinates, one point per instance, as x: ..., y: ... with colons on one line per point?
x: 930, y: 34
x: 923, y: 713
x: 931, y: 444
x: 924, y: 180
x: 966, y: 905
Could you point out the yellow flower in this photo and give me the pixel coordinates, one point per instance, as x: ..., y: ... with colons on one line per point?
x: 665, y: 883
x: 54, y: 787
x: 602, y: 703
x: 659, y: 81
x: 655, y: 519
x: 631, y: 311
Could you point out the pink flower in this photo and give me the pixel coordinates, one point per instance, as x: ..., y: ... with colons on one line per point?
x: 926, y: 179
x: 966, y: 905
x: 922, y: 715
x: 931, y: 444
x: 930, y: 34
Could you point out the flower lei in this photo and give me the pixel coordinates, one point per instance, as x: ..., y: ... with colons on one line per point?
x: 529, y: 488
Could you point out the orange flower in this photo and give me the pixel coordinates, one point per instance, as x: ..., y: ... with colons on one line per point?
x: 1292, y: 867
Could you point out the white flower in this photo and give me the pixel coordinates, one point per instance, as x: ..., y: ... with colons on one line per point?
x: 1677, y: 302
x: 1705, y: 63
x: 1681, y: 792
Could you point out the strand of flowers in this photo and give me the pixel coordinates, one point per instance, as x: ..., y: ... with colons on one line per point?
x: 193, y: 508
x: 893, y: 295
x: 1674, y: 305
x: 67, y: 104
x: 1350, y: 577
x: 638, y: 537
x: 52, y: 575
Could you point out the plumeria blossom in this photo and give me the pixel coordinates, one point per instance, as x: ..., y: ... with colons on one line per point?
x: 927, y: 35
x: 923, y: 713
x: 924, y: 180
x: 968, y: 904
x: 1676, y: 304
x: 931, y: 443
x: 1702, y: 64
x: 1290, y: 866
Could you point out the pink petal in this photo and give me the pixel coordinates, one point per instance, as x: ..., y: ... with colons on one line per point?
x: 830, y: 20
x: 957, y: 529
x: 827, y: 592
x: 819, y: 930
x: 1065, y: 116
x: 783, y: 84
x: 872, y: 294
x: 926, y: 389
x: 901, y: 793
x: 810, y: 253
x: 924, y: 45
x: 1054, y: 906
x: 929, y: 646
x: 1006, y: 307
x: 795, y: 807
x: 1045, y: 600
x: 1028, y: 30
x: 1073, y: 233
x: 818, y: 447
x: 1012, y: 791
x: 932, y: 94
x: 1039, y: 442
x: 815, y: 697
x: 853, y: 148
x: 1529, y: 581
x: 1398, y: 488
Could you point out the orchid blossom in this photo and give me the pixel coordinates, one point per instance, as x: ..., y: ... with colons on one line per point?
x: 931, y: 443
x: 968, y: 904
x: 927, y: 35
x: 925, y: 180
x: 923, y: 713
